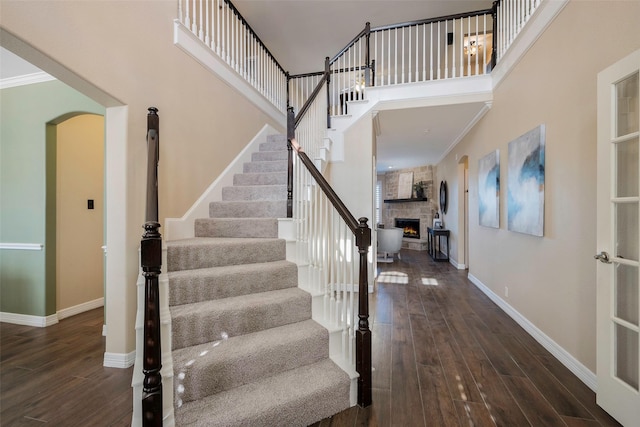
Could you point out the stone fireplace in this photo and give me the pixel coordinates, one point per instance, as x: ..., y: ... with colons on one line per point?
x: 417, y: 209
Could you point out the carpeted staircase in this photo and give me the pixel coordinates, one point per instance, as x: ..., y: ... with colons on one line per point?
x: 245, y: 349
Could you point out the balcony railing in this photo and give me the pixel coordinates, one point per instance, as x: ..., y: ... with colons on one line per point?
x: 219, y: 25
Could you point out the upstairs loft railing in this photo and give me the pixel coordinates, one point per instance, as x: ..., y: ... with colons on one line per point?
x: 221, y: 27
x: 453, y: 46
x: 151, y: 263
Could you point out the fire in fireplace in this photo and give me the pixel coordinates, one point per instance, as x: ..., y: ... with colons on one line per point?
x: 411, y: 227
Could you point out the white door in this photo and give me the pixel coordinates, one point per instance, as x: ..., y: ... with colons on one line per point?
x: 618, y: 237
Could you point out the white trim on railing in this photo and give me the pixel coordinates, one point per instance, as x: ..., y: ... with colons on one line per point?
x: 22, y: 246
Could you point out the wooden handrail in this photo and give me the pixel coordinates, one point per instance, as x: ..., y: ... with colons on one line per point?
x: 244, y: 21
x: 364, y: 31
x: 151, y: 263
x: 432, y: 20
x: 309, y: 101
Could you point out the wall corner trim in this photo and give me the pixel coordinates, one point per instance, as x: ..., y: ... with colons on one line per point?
x: 570, y: 362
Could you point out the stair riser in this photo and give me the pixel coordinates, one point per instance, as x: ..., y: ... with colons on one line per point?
x: 201, y: 327
x: 208, y: 285
x: 239, y: 368
x: 267, y: 156
x: 236, y: 227
x: 278, y: 139
x: 273, y: 178
x: 272, y: 166
x: 206, y: 256
x: 274, y: 146
x: 256, y: 209
x: 254, y: 192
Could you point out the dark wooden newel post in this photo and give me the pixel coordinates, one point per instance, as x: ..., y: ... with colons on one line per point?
x: 494, y: 44
x: 363, y: 334
x: 151, y: 263
x: 291, y: 134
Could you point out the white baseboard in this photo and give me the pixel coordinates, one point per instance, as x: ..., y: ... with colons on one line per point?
x: 44, y: 321
x: 456, y: 264
x: 80, y: 308
x: 29, y: 320
x: 119, y: 360
x: 570, y: 362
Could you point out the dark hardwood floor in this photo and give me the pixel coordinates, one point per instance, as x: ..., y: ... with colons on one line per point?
x: 54, y: 375
x: 443, y: 354
x: 446, y: 355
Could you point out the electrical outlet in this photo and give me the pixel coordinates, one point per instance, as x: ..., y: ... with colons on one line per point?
x: 506, y: 291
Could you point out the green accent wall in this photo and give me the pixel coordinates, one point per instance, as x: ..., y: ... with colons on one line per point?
x: 28, y: 188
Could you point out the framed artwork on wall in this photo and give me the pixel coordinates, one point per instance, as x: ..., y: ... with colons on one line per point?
x: 525, y: 185
x: 405, y: 185
x: 489, y: 190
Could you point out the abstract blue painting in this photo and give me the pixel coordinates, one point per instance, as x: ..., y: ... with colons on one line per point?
x: 489, y: 190
x: 525, y: 185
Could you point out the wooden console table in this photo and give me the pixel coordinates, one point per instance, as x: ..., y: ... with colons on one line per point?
x: 434, y: 244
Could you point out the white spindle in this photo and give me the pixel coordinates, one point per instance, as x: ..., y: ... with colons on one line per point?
x: 424, y: 52
x: 207, y: 38
x: 409, y: 77
x: 431, y: 51
x: 194, y: 25
x: 468, y: 46
x: 446, y: 51
x: 402, y: 54
x: 417, y: 75
x: 439, y: 65
x: 389, y: 57
x: 477, y: 55
x: 460, y: 44
x: 200, y: 31
x: 484, y: 51
x: 395, y: 75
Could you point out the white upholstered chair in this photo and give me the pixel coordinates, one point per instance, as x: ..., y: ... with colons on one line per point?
x: 389, y: 243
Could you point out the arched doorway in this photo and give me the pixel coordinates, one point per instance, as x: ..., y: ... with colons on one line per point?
x: 79, y: 213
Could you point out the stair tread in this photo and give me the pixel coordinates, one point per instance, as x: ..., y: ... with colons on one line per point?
x: 204, y: 241
x: 189, y: 286
x: 237, y: 303
x: 232, y: 362
x: 204, y: 321
x: 297, y: 397
x: 204, y: 252
x: 233, y: 346
x: 226, y: 269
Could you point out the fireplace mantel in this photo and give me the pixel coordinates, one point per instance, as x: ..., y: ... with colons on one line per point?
x: 424, y: 199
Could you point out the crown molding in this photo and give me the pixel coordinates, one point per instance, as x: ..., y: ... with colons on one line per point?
x: 26, y: 79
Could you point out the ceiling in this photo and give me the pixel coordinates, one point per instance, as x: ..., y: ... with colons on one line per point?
x: 297, y: 34
x: 11, y: 65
